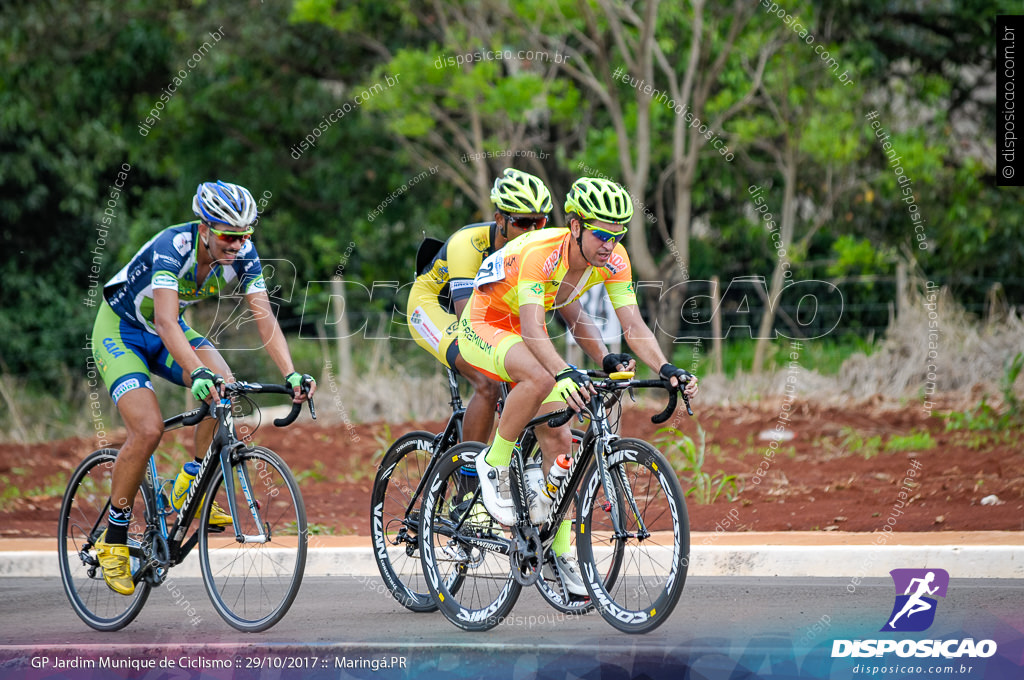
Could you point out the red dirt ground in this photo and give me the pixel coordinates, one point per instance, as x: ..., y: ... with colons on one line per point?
x: 828, y: 477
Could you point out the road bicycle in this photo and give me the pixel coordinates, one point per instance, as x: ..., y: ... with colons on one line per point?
x: 252, y: 569
x: 632, y: 532
x: 395, y: 511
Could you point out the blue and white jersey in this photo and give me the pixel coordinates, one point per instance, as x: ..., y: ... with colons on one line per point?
x: 169, y: 260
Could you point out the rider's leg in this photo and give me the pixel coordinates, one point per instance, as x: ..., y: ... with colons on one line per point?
x: 533, y: 384
x: 141, y: 415
x: 479, y: 419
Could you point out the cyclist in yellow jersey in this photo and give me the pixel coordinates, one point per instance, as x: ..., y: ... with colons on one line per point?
x: 502, y: 333
x: 439, y: 295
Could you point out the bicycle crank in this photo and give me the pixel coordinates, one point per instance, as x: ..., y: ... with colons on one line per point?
x: 525, y: 555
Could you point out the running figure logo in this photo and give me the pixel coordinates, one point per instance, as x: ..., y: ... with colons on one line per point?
x: 914, y: 610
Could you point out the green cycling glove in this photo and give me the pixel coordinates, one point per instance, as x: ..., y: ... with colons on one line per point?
x: 203, y: 380
x: 295, y: 379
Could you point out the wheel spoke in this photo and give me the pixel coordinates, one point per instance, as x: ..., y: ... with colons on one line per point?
x: 252, y: 585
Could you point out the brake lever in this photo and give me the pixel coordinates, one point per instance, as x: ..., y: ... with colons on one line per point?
x: 309, y: 400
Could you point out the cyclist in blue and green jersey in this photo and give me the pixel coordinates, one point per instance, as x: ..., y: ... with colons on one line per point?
x: 139, y: 331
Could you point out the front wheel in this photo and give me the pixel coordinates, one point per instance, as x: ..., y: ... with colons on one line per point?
x: 652, y: 541
x: 395, y: 519
x: 83, y: 518
x: 465, y: 553
x: 253, y: 583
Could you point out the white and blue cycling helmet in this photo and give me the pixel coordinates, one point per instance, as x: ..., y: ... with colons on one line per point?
x: 225, y: 203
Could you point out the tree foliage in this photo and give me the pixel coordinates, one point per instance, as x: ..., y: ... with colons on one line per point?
x: 91, y: 88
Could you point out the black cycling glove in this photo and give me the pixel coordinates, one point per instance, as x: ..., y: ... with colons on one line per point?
x: 611, y: 361
x: 668, y: 370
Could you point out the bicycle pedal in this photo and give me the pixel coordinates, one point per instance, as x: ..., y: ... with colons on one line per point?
x: 215, y: 528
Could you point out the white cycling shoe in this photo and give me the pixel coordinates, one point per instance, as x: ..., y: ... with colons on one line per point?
x: 568, y: 572
x: 495, y: 490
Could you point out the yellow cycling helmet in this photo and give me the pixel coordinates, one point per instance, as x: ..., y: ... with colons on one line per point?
x: 593, y: 198
x: 520, y: 192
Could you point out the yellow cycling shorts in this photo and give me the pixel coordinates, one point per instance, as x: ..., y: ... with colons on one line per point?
x: 486, y: 336
x: 433, y: 327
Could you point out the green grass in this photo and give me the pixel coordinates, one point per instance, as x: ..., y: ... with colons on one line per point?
x: 53, y: 486
x: 915, y: 441
x: 687, y: 457
x: 312, y: 529
x: 853, y: 442
x: 316, y: 473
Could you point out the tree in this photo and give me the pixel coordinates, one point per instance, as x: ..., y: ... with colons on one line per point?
x: 669, y: 84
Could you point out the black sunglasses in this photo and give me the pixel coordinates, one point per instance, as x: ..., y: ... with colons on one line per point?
x: 525, y: 223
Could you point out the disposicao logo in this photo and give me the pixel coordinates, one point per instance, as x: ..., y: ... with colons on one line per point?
x: 914, y: 611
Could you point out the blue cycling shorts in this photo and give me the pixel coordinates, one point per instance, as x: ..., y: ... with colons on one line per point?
x: 127, y: 355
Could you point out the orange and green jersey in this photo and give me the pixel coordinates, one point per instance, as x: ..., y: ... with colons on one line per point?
x: 529, y: 270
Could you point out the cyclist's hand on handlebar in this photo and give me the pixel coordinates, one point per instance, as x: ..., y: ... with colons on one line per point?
x: 611, y: 363
x: 574, y: 387
x: 205, y: 383
x: 303, y: 385
x: 679, y: 377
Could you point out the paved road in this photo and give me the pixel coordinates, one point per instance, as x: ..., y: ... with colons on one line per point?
x: 720, y: 622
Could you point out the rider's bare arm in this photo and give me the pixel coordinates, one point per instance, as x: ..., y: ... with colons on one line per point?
x: 165, y: 320
x: 642, y: 341
x: 584, y: 330
x: 272, y: 336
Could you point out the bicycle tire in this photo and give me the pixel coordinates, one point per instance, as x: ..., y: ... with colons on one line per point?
x: 253, y: 584
x: 84, y: 499
x: 652, y: 573
x: 394, y: 532
x: 486, y: 588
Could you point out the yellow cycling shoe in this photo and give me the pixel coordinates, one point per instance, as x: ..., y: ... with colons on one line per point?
x: 115, y: 562
x: 218, y: 517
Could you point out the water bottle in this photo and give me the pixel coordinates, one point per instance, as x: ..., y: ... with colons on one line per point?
x: 182, y: 483
x: 559, y: 471
x: 538, y: 502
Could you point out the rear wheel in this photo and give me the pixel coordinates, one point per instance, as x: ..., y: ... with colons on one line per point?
x: 653, y: 542
x: 465, y: 552
x: 252, y: 584
x: 83, y: 518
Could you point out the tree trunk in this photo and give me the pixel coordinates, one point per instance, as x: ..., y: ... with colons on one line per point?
x: 765, y: 331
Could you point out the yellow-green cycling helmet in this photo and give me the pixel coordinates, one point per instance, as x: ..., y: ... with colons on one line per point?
x: 520, y: 192
x: 593, y: 198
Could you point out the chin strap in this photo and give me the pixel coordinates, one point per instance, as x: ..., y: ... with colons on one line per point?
x: 579, y: 242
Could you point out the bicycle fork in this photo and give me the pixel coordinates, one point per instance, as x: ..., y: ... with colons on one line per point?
x: 602, y: 448
x: 245, y: 483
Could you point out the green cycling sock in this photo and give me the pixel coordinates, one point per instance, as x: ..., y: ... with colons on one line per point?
x: 500, y: 454
x: 560, y: 546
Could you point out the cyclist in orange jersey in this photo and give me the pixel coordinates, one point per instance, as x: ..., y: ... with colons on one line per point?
x: 502, y: 333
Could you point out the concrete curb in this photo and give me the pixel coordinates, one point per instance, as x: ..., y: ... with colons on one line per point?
x: 797, y: 557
